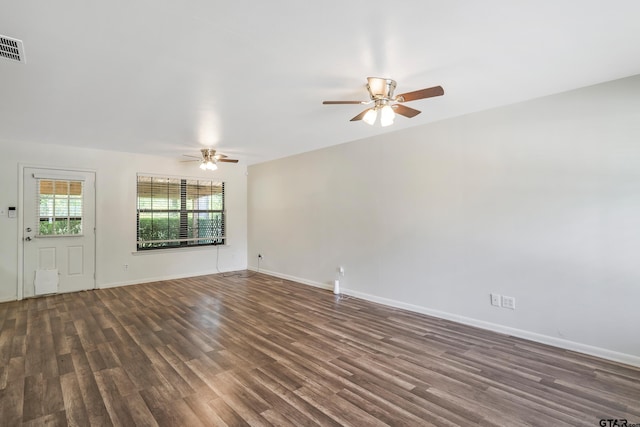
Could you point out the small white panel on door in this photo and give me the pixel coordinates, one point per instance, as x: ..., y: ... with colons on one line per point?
x: 47, y: 258
x: 75, y: 257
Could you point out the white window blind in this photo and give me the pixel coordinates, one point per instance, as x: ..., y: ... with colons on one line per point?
x: 179, y: 212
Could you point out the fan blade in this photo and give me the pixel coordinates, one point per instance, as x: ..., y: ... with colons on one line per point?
x: 421, y: 94
x: 188, y: 161
x: 195, y: 157
x: 360, y: 116
x: 220, y: 156
x: 344, y: 102
x: 227, y: 160
x: 405, y: 111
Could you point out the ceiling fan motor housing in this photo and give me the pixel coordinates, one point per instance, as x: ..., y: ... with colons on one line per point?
x: 208, y: 154
x: 380, y: 88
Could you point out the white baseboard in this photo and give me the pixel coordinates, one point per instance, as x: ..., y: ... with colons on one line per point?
x: 603, y: 353
x: 294, y: 279
x: 161, y: 278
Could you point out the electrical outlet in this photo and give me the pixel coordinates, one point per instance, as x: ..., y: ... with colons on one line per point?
x: 508, y: 302
x: 125, y: 267
x: 260, y: 256
x: 495, y: 300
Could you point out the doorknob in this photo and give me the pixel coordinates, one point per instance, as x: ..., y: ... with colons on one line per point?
x: 28, y: 229
x: 28, y: 239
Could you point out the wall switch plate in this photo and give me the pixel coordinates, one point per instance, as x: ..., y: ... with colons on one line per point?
x: 495, y: 300
x: 341, y: 270
x: 508, y: 302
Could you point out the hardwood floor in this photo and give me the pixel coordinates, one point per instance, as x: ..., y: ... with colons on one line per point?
x: 261, y: 351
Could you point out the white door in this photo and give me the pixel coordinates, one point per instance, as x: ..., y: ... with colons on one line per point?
x: 59, y: 231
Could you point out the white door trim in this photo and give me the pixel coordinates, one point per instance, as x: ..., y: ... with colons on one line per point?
x: 21, y: 168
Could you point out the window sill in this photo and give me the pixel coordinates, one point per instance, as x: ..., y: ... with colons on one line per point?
x: 178, y: 250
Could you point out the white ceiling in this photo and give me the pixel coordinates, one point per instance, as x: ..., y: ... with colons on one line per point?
x: 248, y: 77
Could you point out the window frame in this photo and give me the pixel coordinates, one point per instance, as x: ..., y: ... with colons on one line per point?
x: 185, y: 214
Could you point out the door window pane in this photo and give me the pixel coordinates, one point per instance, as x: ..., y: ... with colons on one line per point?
x: 59, y: 207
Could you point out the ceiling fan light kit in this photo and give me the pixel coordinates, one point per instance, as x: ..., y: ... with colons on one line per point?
x: 381, y: 95
x: 208, y: 166
x: 387, y: 115
x: 371, y: 116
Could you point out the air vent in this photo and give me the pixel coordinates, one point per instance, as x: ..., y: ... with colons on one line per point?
x: 11, y: 49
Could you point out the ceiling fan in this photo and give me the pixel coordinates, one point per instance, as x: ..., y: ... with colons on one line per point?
x: 381, y: 94
x: 209, y: 159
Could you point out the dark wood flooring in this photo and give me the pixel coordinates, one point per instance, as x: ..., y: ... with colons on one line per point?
x: 217, y: 350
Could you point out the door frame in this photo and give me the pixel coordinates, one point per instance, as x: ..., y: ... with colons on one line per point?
x: 21, y: 168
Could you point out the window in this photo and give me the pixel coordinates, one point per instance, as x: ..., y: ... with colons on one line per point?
x: 179, y: 212
x: 59, y: 207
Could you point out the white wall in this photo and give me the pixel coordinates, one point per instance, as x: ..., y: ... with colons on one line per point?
x: 538, y: 200
x: 116, y: 215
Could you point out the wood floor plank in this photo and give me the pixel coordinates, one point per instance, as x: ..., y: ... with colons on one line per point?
x: 200, y: 405
x: 6, y: 341
x: 259, y: 350
x: 93, y: 400
x: 116, y: 407
x: 168, y: 411
x: 12, y: 403
x: 381, y: 410
x: 139, y: 411
x: 75, y: 410
x: 245, y: 402
x: 57, y: 419
x: 406, y: 399
x: 42, y: 396
x: 273, y: 382
x: 226, y: 413
x: 341, y: 410
x: 248, y: 380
